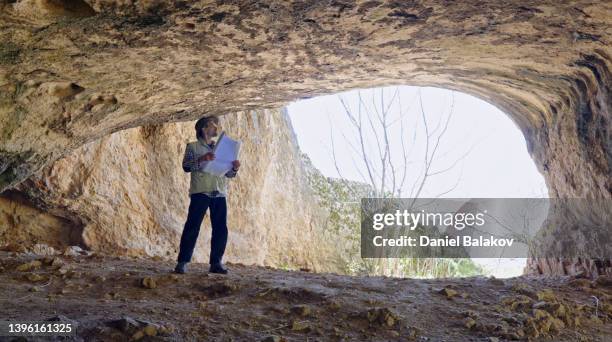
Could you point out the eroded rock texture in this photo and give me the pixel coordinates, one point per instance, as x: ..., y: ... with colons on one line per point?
x: 75, y: 71
x: 126, y: 194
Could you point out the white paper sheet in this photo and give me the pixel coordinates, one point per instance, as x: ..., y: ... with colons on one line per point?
x: 226, y: 150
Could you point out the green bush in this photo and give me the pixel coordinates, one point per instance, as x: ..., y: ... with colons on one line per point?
x: 342, y: 200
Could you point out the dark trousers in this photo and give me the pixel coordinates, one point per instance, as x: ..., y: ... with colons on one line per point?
x: 218, y: 219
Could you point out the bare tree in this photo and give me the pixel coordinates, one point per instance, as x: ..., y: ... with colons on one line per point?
x: 374, y: 124
x: 385, y: 172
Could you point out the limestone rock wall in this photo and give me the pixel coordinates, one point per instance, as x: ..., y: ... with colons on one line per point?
x: 127, y: 194
x: 22, y: 226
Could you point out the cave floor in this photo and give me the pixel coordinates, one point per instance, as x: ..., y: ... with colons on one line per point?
x: 119, y: 298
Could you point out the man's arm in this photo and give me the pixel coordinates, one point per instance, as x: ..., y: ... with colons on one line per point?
x: 188, y: 160
x: 231, y: 173
x: 190, y: 163
x: 234, y: 171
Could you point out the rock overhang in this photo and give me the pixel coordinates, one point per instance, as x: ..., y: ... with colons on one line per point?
x: 82, y: 71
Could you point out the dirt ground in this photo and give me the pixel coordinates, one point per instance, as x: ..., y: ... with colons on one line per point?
x: 120, y: 299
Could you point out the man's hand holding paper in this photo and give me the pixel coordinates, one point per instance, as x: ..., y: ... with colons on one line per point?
x: 224, y: 156
x: 207, y: 157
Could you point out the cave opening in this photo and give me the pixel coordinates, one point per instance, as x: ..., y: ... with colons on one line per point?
x: 482, y: 154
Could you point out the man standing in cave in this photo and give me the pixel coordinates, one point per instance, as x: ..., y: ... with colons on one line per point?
x: 206, y: 191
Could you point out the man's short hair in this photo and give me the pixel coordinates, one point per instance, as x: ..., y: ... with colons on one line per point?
x: 203, y: 122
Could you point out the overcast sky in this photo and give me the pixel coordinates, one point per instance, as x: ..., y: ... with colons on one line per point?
x: 497, y: 163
